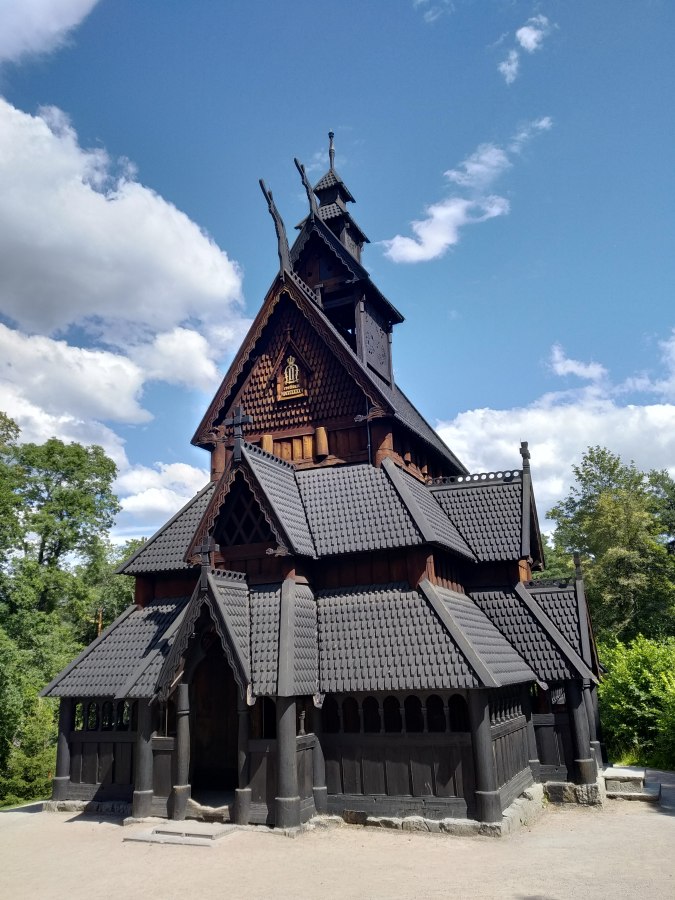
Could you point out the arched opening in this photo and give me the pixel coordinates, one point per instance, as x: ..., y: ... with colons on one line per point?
x: 435, y: 714
x: 459, y: 713
x: 372, y: 724
x: 392, y: 715
x: 330, y: 718
x: 214, y: 720
x: 350, y: 716
x: 414, y: 721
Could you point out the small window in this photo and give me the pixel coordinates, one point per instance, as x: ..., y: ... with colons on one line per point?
x: 123, y: 715
x: 392, y: 715
x: 436, y: 714
x: 414, y: 721
x: 372, y: 723
x: 459, y: 713
x: 330, y: 717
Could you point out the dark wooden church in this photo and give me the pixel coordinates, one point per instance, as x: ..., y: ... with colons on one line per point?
x: 343, y: 620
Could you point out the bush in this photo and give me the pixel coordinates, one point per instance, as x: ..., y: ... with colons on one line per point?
x: 637, y: 701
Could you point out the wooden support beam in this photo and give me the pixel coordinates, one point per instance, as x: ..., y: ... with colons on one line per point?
x: 62, y: 779
x: 143, y: 763
x: 488, y: 804
x: 182, y: 790
x: 287, y: 801
x: 584, y: 764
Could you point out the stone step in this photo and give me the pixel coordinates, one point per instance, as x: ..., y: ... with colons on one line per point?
x: 625, y: 779
x: 650, y: 793
x: 194, y: 834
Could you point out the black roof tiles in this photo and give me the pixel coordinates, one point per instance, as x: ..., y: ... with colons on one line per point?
x: 559, y: 602
x: 165, y: 550
x: 278, y: 482
x: 487, y: 514
x: 264, y: 601
x: 126, y: 656
x: 515, y: 621
x: 354, y: 509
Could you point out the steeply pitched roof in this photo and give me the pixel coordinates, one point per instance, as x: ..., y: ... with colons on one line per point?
x: 532, y: 632
x: 332, y: 179
x: 487, y: 510
x: 225, y: 595
x: 125, y: 658
x: 353, y: 509
x: 278, y: 481
x: 432, y: 522
x: 558, y: 600
x: 394, y: 638
x: 165, y: 550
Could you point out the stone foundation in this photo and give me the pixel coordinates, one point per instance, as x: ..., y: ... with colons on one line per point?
x: 580, y: 794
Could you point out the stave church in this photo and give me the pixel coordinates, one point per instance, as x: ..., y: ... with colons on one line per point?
x: 344, y: 619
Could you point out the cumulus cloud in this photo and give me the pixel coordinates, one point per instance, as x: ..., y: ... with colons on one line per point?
x: 95, y: 383
x: 530, y: 38
x: 31, y: 27
x: 440, y: 228
x: 562, y: 365
x: 559, y: 426
x: 81, y: 241
x: 152, y: 494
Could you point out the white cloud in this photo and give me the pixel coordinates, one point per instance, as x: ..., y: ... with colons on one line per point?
x: 82, y: 242
x: 530, y: 38
x: 561, y: 365
x: 531, y: 35
x: 440, y: 229
x: 87, y: 384
x: 559, y: 426
x: 151, y: 495
x: 38, y: 26
x: 509, y: 66
x: 179, y: 356
x: 37, y: 425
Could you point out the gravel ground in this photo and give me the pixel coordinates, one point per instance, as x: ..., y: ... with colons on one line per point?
x: 623, y: 850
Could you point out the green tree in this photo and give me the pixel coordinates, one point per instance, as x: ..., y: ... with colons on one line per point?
x: 615, y: 515
x: 10, y: 478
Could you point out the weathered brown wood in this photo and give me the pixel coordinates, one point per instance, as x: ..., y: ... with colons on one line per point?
x: 524, y: 570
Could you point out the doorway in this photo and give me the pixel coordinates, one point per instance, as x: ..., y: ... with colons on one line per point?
x: 214, y: 723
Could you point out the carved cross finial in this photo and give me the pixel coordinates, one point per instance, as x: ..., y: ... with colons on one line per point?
x: 331, y: 150
x: 237, y: 422
x: 204, y: 551
x: 311, y: 196
x: 280, y: 228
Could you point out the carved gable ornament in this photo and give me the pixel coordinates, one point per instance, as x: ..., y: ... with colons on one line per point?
x: 291, y: 374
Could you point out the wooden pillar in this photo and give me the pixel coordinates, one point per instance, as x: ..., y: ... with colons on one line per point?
x: 242, y: 794
x: 217, y: 461
x: 287, y: 801
x: 383, y: 441
x: 267, y: 443
x: 596, y: 747
x: 532, y: 752
x: 143, y: 762
x: 488, y: 803
x: 61, y: 781
x: 182, y: 789
x: 321, y: 438
x: 584, y: 764
x: 319, y: 788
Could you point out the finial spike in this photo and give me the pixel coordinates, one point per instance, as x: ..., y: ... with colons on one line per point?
x: 282, y: 240
x: 578, y: 573
x: 525, y: 453
x: 313, y: 208
x: 331, y: 150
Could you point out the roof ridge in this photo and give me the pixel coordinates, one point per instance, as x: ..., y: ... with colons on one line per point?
x: 501, y: 476
x: 266, y: 455
x: 228, y: 574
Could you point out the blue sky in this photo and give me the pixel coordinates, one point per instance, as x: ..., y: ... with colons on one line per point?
x: 513, y: 167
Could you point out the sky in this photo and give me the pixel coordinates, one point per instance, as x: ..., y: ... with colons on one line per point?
x: 513, y: 167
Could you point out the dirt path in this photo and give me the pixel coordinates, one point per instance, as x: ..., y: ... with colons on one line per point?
x: 625, y: 850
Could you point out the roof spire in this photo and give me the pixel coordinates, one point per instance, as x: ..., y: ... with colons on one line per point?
x: 331, y: 150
